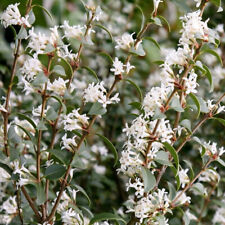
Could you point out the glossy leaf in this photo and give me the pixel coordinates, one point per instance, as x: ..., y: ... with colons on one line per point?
x: 111, y: 147
x: 209, y: 77
x: 81, y: 190
x: 195, y: 100
x: 106, y: 216
x: 58, y: 69
x: 148, y: 178
x: 92, y: 72
x: 175, y: 104
x: 51, y: 114
x: 62, y: 155
x: 173, y: 153
x: 105, y: 29
x: 142, y: 17
x: 186, y: 124
x: 137, y: 88
x: 55, y: 171
x: 44, y: 9
x: 164, y: 20
x: 97, y: 109
x: 162, y: 157
x: 153, y: 41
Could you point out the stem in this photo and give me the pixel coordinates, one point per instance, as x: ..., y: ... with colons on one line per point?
x: 190, y: 184
x: 31, y: 203
x: 18, y: 202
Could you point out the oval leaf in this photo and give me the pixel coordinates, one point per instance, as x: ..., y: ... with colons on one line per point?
x: 92, y: 72
x: 105, y: 29
x: 173, y: 153
x: 55, y: 171
x: 106, y: 216
x: 110, y: 146
x: 195, y: 100
x: 137, y: 88
x: 148, y: 178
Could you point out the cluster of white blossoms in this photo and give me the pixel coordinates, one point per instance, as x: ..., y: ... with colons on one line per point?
x: 144, y: 140
x: 119, y: 68
x: 97, y: 93
x: 212, y: 150
x: 12, y: 16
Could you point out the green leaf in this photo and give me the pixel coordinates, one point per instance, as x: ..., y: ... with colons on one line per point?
x: 195, y: 100
x: 68, y: 65
x: 45, y: 10
x: 97, y: 109
x: 39, y: 79
x: 212, y: 52
x: 203, y: 105
x: 110, y: 146
x: 55, y: 171
x: 139, y: 51
x: 222, y: 121
x: 105, y: 29
x: 106, y: 216
x: 25, y: 117
x: 41, y: 126
x: 216, y: 2
x: 13, y: 136
x: 83, y: 192
x: 172, y: 191
x: 148, y: 178
x: 62, y: 155
x: 92, y: 72
x: 26, y: 132
x: 142, y: 19
x: 136, y: 105
x: 59, y: 70
x: 137, y: 88
x: 199, y: 187
x: 58, y: 99
x: 153, y: 41
x: 192, y: 174
x: 22, y: 33
x: 209, y: 77
x: 164, y: 20
x: 158, y: 114
x: 51, y: 114
x: 162, y: 157
x: 6, y: 168
x: 186, y: 219
x: 186, y: 124
x: 221, y: 162
x: 174, y: 170
x: 40, y: 193
x: 31, y: 18
x: 173, y: 153
x: 175, y: 104
x: 109, y: 58
x: 49, y: 48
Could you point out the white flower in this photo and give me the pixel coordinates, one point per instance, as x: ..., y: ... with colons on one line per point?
x: 193, y: 28
x: 75, y: 120
x: 118, y: 67
x: 218, y: 108
x: 129, y: 67
x: 138, y: 186
x: 198, y: 3
x: 2, y: 108
x: 219, y: 217
x: 31, y: 67
x: 98, y: 13
x: 12, y: 16
x: 156, y: 5
x: 102, y: 150
x: 209, y: 175
x: 99, y: 169
x: 37, y: 111
x: 191, y: 83
x: 125, y: 42
x: 58, y: 86
x: 54, y: 36
x: 190, y: 215
x: 97, y: 92
x: 212, y: 150
x: 75, y: 31
x: 64, y: 52
x: 37, y: 41
x: 71, y: 217
x: 68, y: 143
x: 182, y: 199
x: 184, y: 179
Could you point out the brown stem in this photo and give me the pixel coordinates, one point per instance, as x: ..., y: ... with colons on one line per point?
x: 18, y: 202
x: 190, y: 184
x: 31, y: 203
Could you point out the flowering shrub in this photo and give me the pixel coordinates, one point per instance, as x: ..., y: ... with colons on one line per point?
x: 79, y: 142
